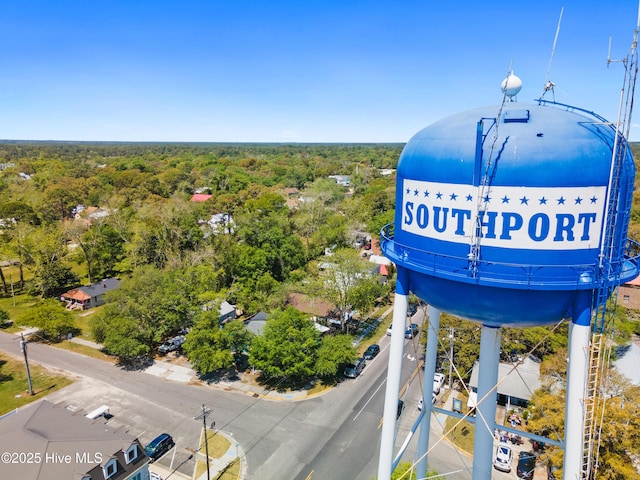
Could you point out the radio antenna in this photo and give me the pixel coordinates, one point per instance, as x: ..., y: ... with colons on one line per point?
x: 548, y: 84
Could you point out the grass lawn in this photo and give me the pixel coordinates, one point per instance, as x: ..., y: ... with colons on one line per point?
x: 85, y: 350
x: 14, y: 385
x: 232, y: 472
x: 462, y: 435
x: 83, y: 320
x: 218, y: 446
x: 17, y: 312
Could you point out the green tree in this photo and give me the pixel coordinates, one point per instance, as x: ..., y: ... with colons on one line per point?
x: 620, y: 434
x: 402, y: 472
x: 619, y: 438
x: 59, y: 199
x: 206, y: 346
x: 238, y: 337
x: 51, y: 318
x: 366, y: 291
x: 466, y: 348
x: 20, y: 212
x: 148, y: 307
x: 340, y: 283
x: 210, y: 347
x: 45, y: 251
x: 121, y: 336
x: 163, y: 234
x: 287, y: 348
x: 334, y: 351
x: 320, y: 201
x: 19, y: 244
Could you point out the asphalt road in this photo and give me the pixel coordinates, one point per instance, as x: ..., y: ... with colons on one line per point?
x: 332, y: 436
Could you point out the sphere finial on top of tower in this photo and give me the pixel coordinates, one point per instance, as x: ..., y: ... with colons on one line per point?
x: 511, y: 86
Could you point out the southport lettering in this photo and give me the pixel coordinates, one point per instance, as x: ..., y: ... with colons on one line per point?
x: 511, y: 217
x: 538, y: 226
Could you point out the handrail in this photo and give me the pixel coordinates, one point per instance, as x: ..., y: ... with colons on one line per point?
x: 563, y: 276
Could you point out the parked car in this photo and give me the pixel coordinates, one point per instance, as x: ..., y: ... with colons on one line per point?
x: 526, y: 464
x: 154, y: 476
x: 412, y: 330
x: 400, y: 409
x: 354, y: 369
x: 389, y: 329
x: 438, y: 382
x: 421, y: 402
x: 371, y: 351
x: 172, y: 344
x: 159, y: 446
x: 502, y: 460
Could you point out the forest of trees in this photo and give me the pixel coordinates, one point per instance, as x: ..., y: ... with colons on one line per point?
x: 170, y: 261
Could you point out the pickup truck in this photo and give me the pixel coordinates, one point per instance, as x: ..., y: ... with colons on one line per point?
x: 172, y: 344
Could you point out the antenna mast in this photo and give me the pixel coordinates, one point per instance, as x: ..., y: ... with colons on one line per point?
x: 548, y: 84
x: 595, y: 400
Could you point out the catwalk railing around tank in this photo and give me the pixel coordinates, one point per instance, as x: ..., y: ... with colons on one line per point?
x: 511, y: 274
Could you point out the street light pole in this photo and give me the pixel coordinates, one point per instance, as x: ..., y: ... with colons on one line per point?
x: 205, y: 411
x: 23, y: 348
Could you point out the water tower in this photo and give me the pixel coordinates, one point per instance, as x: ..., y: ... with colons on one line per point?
x: 510, y: 215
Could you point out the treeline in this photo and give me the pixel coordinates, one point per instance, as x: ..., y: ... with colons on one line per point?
x: 73, y: 213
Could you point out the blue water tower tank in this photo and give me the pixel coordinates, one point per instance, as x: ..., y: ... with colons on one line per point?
x: 505, y: 213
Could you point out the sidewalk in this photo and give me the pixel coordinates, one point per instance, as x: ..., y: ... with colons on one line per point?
x: 185, y: 374
x: 87, y: 343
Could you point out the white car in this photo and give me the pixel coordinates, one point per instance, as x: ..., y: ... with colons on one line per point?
x: 154, y: 476
x: 502, y: 460
x: 420, y: 402
x: 438, y: 382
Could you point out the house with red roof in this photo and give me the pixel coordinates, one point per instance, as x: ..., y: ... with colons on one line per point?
x: 200, y: 197
x: 89, y: 296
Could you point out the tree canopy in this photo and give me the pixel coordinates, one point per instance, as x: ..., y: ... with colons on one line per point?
x: 287, y: 348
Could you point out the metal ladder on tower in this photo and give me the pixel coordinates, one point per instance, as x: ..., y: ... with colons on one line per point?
x: 594, y: 401
x: 592, y: 404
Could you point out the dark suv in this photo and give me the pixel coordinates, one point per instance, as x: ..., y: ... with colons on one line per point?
x: 372, y: 351
x: 159, y: 446
x: 355, y: 369
x: 526, y: 465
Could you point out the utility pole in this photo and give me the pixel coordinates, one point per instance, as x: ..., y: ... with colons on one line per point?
x: 450, y: 358
x: 23, y: 348
x: 205, y: 411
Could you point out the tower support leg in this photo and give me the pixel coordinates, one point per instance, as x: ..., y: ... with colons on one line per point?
x: 400, y: 307
x: 577, y: 373
x: 431, y: 354
x: 486, y: 406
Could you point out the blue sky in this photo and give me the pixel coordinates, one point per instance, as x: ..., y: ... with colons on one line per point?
x: 292, y: 71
